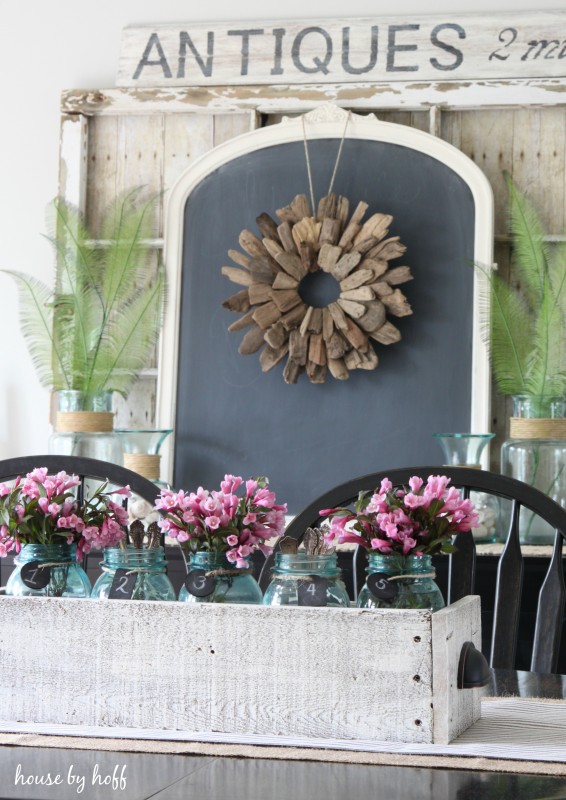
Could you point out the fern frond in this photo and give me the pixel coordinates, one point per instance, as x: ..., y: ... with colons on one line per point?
x: 545, y: 371
x: 127, y: 223
x: 126, y: 348
x: 36, y: 323
x: 531, y: 252
x: 105, y: 311
x: 511, y: 327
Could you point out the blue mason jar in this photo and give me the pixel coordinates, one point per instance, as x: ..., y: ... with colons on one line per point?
x: 306, y: 579
x: 397, y: 581
x: 48, y: 570
x: 213, y: 579
x: 148, y: 564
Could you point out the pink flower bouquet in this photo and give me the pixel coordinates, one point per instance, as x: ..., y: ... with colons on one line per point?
x: 43, y: 509
x: 223, y: 521
x: 416, y: 520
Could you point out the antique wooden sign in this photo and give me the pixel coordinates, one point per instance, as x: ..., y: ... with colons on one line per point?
x: 450, y: 47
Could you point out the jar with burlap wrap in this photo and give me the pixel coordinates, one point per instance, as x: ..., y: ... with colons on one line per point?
x: 536, y: 454
x: 397, y: 581
x: 212, y: 578
x: 84, y: 427
x: 48, y: 570
x: 147, y: 568
x: 141, y: 450
x: 306, y: 579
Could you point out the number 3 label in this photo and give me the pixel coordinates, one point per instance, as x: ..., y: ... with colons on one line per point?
x: 199, y: 584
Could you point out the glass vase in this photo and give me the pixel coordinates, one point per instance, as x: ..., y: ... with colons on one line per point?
x: 213, y: 579
x: 535, y: 453
x: 397, y: 581
x: 83, y: 427
x: 141, y: 449
x: 48, y: 570
x: 147, y: 563
x: 305, y: 579
x: 466, y: 450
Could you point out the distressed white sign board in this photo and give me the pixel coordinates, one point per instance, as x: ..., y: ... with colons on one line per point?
x: 450, y: 47
x: 312, y: 672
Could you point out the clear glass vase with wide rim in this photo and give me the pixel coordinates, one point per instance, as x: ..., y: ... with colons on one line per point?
x: 306, y: 579
x: 535, y: 453
x: 212, y: 578
x: 84, y: 427
x: 466, y: 450
x: 147, y: 564
x: 48, y: 570
x: 397, y: 581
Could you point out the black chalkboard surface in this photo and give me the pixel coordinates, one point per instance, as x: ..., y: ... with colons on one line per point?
x: 231, y: 417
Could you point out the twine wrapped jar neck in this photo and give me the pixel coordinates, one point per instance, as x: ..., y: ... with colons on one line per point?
x: 538, y: 417
x: 146, y: 464
x: 84, y: 421
x: 545, y: 428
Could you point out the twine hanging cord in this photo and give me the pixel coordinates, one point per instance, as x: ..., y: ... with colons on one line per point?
x: 337, y: 162
x: 414, y: 577
x: 44, y: 566
x: 220, y: 573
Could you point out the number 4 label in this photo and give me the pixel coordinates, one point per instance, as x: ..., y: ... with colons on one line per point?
x: 312, y: 592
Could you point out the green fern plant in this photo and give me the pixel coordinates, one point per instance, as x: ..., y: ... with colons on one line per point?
x: 93, y: 331
x: 526, y: 321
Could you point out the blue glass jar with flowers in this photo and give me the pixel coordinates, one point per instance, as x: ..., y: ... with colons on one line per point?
x: 402, y: 528
x: 48, y: 530
x: 218, y: 531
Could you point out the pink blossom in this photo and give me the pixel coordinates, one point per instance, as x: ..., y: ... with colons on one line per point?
x: 38, y: 474
x: 125, y: 491
x: 212, y: 523
x: 251, y: 486
x: 414, y: 500
x: 382, y: 545
x: 231, y: 484
x: 415, y: 483
x: 232, y: 540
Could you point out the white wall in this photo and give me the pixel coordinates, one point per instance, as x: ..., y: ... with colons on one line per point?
x: 46, y: 47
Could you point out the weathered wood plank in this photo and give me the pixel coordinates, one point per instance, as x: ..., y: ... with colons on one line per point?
x: 287, y: 99
x: 454, y: 709
x: 187, y: 682
x: 347, y: 49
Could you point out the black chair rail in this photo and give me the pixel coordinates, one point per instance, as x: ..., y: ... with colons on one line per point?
x: 85, y: 468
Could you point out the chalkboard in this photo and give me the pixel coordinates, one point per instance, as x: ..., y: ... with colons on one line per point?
x: 231, y: 417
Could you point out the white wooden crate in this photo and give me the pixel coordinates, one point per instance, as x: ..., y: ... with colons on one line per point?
x: 239, y: 670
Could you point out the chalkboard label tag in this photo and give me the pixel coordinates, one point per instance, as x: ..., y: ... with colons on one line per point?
x: 381, y: 588
x: 312, y: 592
x: 34, y: 576
x: 199, y: 584
x: 123, y: 585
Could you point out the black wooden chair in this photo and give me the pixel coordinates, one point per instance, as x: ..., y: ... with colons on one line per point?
x: 87, y: 469
x: 462, y: 564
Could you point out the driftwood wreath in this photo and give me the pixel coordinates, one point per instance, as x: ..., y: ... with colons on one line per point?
x: 275, y: 269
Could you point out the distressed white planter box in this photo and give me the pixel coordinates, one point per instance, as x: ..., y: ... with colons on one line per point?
x: 237, y: 670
